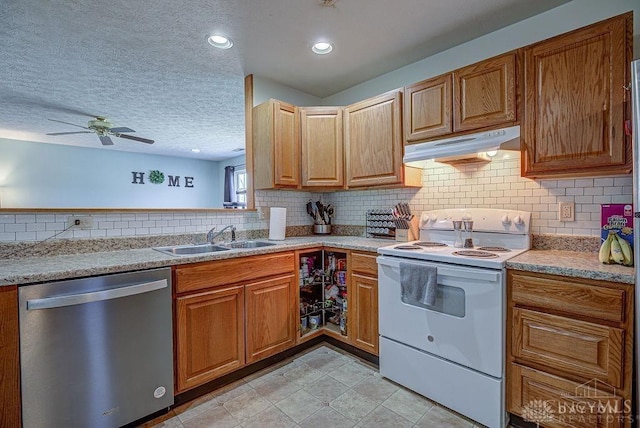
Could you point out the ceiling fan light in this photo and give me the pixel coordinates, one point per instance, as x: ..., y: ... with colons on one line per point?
x: 322, y: 48
x: 219, y: 41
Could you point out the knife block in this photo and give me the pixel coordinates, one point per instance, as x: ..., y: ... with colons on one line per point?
x: 410, y: 234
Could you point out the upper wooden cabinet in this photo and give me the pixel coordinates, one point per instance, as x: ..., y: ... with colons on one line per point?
x: 428, y: 108
x: 484, y: 94
x: 276, y: 145
x: 373, y: 140
x: 478, y: 96
x: 574, y: 102
x: 321, y: 147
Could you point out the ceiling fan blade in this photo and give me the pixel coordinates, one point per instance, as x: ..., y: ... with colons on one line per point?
x: 131, y: 137
x: 121, y: 129
x: 69, y: 133
x: 105, y: 140
x: 67, y: 123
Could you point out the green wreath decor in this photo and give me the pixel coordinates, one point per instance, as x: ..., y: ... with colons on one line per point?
x: 156, y: 177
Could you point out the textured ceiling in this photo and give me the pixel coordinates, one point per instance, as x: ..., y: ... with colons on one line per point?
x: 147, y: 66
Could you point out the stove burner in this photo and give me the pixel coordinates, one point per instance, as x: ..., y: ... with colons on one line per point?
x: 495, y: 249
x: 430, y: 244
x: 407, y: 247
x: 475, y: 253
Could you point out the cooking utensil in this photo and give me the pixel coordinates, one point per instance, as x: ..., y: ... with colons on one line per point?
x: 320, y: 210
x: 311, y: 212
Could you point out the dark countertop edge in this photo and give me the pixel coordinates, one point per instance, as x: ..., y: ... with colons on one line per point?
x: 165, y: 260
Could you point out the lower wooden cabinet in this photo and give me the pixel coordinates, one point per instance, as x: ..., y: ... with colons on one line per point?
x: 553, y: 401
x: 220, y: 327
x: 209, y: 335
x: 570, y: 350
x: 10, y: 413
x: 270, y: 317
x: 363, y: 308
x: 364, y: 312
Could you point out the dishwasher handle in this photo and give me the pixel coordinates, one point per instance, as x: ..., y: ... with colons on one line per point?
x: 95, y: 296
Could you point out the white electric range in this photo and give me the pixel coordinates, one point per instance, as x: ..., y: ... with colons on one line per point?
x: 453, y: 351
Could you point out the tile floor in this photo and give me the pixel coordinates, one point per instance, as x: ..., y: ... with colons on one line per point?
x: 324, y: 387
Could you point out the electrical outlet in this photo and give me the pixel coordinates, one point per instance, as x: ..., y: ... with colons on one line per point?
x: 262, y: 213
x: 566, y: 211
x: 80, y: 221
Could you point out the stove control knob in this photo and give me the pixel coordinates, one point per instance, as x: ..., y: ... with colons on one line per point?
x: 517, y: 220
x: 433, y: 218
x: 505, y: 219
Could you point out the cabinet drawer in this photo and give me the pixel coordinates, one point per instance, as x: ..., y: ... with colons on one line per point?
x: 231, y: 271
x: 582, y: 348
x: 364, y: 263
x: 569, y: 296
x: 556, y: 402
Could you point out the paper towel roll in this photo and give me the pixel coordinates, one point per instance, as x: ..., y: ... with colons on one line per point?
x: 277, y: 223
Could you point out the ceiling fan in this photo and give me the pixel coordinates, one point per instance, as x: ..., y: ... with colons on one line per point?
x: 104, y: 129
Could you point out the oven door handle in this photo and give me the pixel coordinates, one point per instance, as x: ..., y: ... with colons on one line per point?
x: 463, y: 272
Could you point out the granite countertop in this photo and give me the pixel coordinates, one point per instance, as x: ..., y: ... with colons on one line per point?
x: 28, y: 270
x: 571, y: 263
x: 43, y: 269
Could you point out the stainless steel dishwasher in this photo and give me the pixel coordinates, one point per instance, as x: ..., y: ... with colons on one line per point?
x: 96, y: 352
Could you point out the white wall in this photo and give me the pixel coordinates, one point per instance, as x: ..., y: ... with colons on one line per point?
x: 38, y: 175
x: 264, y: 88
x: 567, y: 17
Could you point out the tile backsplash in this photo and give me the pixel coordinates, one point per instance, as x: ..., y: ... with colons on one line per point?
x: 492, y: 185
x: 496, y: 184
x: 39, y: 226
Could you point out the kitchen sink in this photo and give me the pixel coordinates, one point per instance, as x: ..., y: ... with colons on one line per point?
x: 249, y: 244
x: 188, y: 250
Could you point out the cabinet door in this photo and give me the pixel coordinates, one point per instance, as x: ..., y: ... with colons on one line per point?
x: 10, y: 415
x: 271, y: 317
x: 585, y: 349
x: 286, y: 145
x: 321, y: 147
x: 373, y: 138
x: 485, y: 93
x: 209, y: 335
x: 555, y: 402
x: 574, y: 102
x: 427, y: 109
x: 363, y: 313
x: 276, y: 145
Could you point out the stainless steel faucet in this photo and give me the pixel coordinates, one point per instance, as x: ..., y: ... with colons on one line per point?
x: 211, y: 236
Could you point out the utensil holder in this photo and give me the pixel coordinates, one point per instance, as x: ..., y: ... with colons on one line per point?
x: 410, y: 234
x: 322, y: 229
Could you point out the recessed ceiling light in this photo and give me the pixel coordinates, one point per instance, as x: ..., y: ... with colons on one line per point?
x: 219, y: 41
x: 322, y: 48
x: 195, y: 150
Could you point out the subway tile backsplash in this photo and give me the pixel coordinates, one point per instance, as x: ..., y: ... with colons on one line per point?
x: 493, y: 185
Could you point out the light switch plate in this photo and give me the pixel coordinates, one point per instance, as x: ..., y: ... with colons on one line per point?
x: 566, y: 211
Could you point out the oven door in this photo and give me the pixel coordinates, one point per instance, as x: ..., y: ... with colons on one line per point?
x: 466, y: 323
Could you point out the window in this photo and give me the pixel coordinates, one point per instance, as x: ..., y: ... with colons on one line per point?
x: 240, y: 181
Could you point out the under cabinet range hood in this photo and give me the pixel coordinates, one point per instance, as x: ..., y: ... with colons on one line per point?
x: 506, y: 139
